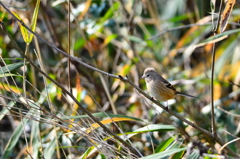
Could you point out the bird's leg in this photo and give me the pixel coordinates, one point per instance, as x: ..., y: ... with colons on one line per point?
x: 152, y: 98
x: 167, y: 106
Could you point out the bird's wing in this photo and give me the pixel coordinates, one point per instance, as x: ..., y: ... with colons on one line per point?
x: 167, y: 84
x: 170, y: 86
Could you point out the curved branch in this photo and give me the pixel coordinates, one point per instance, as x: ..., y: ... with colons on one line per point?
x: 57, y: 49
x: 204, y: 131
x: 81, y: 107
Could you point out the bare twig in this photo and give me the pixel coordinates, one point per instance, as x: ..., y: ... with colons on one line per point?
x: 215, y: 138
x: 176, y: 28
x: 54, y: 47
x: 229, y: 113
x: 204, y: 131
x: 212, y: 91
x: 234, y: 140
x: 124, y: 143
x: 183, y: 27
x: 125, y: 79
x: 231, y: 82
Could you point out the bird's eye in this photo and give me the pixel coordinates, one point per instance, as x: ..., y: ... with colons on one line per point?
x: 147, y: 75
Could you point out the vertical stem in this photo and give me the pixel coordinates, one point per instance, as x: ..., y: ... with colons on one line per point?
x: 24, y: 73
x: 69, y: 63
x: 214, y: 133
x: 212, y: 91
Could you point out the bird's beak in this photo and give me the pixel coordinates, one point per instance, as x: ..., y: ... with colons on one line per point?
x: 143, y: 76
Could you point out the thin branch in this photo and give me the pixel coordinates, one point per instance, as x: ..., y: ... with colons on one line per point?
x: 204, y: 131
x: 234, y: 140
x: 176, y: 28
x: 212, y: 91
x: 227, y: 112
x: 231, y: 82
x: 124, y: 143
x: 215, y: 138
x: 54, y: 47
x: 183, y: 27
x: 125, y: 79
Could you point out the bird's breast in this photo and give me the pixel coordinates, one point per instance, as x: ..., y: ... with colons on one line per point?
x: 159, y: 91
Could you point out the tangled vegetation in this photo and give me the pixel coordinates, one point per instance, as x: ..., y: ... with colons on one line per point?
x: 71, y: 82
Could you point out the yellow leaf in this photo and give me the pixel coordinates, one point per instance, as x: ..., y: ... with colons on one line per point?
x: 23, y: 30
x: 10, y: 88
x: 125, y: 70
x: 107, y: 121
x: 87, y: 5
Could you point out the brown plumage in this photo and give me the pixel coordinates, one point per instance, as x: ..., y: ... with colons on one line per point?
x: 160, y: 88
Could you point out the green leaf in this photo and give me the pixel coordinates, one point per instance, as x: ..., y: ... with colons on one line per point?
x: 110, y: 12
x: 10, y: 67
x: 110, y: 38
x: 79, y: 44
x: 164, y: 145
x: 164, y: 154
x: 35, y: 132
x: 5, y: 110
x: 64, y: 147
x: 86, y: 153
x: 14, y: 139
x: 101, y: 114
x: 137, y: 40
x: 176, y: 144
x: 49, y: 151
x: 181, y: 17
x: 217, y: 37
x: 36, y: 141
x: 9, y: 74
x: 155, y: 127
x: 152, y: 127
x: 18, y: 131
x: 34, y: 21
x: 194, y: 154
x: 178, y: 155
x: 103, y: 156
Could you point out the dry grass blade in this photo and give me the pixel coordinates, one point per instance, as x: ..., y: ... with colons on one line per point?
x: 65, y: 92
x: 226, y: 14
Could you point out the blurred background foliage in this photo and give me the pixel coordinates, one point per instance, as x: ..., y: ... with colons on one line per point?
x: 118, y: 37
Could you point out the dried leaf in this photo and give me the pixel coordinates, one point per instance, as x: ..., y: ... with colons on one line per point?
x: 87, y: 5
x: 226, y: 14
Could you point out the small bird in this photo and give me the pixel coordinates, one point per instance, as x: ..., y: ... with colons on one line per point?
x: 159, y: 88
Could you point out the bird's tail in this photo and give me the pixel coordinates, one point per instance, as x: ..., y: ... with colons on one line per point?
x: 186, y: 95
